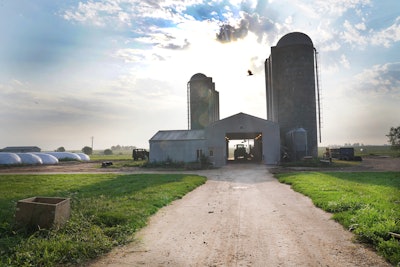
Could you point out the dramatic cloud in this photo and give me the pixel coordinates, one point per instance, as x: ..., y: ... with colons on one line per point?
x: 260, y: 26
x: 229, y: 33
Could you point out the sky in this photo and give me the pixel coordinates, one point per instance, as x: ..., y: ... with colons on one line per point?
x: 116, y: 71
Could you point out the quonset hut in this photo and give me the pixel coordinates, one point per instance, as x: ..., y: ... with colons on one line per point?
x: 290, y: 75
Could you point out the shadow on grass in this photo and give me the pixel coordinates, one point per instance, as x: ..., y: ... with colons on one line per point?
x: 110, y: 185
x: 105, y: 211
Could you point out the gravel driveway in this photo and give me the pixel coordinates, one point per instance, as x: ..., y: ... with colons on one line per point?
x: 242, y: 216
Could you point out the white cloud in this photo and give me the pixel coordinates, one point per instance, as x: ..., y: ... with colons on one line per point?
x: 381, y: 80
x: 321, y: 9
x: 357, y: 35
x: 125, y: 13
x: 345, y: 63
x: 360, y: 26
x: 387, y: 36
x: 353, y: 36
x: 131, y: 55
x: 333, y: 46
x: 95, y: 13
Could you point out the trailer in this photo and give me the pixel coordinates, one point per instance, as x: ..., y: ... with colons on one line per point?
x: 344, y: 153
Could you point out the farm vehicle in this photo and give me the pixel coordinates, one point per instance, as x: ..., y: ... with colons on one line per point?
x: 343, y: 153
x: 240, y: 152
x: 139, y: 153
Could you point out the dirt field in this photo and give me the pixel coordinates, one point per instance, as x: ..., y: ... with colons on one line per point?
x: 242, y: 216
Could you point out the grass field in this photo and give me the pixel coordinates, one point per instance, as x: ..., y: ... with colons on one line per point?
x: 106, y: 210
x: 366, y: 203
x: 364, y: 151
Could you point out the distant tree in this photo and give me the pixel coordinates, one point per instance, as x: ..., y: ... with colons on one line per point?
x: 394, y: 137
x: 119, y: 147
x: 108, y: 152
x: 87, y: 150
x: 60, y: 149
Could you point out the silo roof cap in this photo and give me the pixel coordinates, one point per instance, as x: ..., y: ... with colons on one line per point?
x: 295, y: 38
x: 198, y: 76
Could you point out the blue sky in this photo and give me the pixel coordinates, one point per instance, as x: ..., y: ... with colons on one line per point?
x: 117, y: 70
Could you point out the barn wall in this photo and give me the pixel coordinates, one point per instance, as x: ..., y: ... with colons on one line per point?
x: 176, y: 150
x: 271, y: 145
x: 242, y: 123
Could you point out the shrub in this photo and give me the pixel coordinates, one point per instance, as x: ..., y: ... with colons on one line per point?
x: 108, y: 152
x: 87, y: 150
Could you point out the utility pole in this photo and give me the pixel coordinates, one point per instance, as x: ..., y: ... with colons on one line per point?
x: 92, y: 142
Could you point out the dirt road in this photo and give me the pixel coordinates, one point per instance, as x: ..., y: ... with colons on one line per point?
x: 242, y: 216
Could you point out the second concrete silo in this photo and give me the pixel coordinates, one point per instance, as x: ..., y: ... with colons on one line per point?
x: 203, y: 102
x: 290, y: 89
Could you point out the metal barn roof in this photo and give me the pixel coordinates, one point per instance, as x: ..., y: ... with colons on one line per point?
x: 178, y: 135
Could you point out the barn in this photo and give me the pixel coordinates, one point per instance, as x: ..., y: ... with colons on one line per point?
x: 177, y: 145
x: 213, y: 141
x: 290, y: 131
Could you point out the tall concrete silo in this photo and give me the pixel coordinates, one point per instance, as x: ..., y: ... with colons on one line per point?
x: 203, y: 102
x: 291, y: 89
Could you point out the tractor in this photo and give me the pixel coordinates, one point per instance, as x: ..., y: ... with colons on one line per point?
x: 139, y: 153
x: 240, y: 152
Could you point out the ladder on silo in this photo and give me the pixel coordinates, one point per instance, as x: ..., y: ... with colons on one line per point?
x: 317, y: 80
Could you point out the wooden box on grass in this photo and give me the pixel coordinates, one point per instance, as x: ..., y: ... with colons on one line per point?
x: 42, y: 212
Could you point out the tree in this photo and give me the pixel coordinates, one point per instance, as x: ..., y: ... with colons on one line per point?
x: 108, y: 152
x: 394, y: 137
x: 87, y: 150
x: 60, y: 149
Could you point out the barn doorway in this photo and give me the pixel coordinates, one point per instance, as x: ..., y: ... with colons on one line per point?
x: 244, y: 147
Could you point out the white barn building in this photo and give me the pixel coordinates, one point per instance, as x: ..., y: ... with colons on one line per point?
x: 213, y: 141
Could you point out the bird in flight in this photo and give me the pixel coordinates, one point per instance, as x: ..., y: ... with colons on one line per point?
x: 249, y: 73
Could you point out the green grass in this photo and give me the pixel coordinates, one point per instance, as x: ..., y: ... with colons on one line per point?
x: 367, y: 203
x: 106, y: 210
x: 98, y: 157
x: 369, y: 150
x: 316, y: 163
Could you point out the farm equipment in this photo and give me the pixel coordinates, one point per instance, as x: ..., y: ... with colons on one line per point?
x: 344, y: 153
x: 139, y: 153
x: 240, y: 152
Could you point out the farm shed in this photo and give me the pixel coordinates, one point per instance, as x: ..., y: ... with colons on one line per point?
x: 177, y: 145
x: 243, y: 126
x: 213, y: 141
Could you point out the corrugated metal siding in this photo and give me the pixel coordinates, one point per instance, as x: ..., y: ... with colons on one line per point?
x: 176, y: 150
x: 182, y: 145
x: 178, y: 135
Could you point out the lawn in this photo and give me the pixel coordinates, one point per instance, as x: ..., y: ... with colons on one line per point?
x: 366, y: 203
x: 106, y: 210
